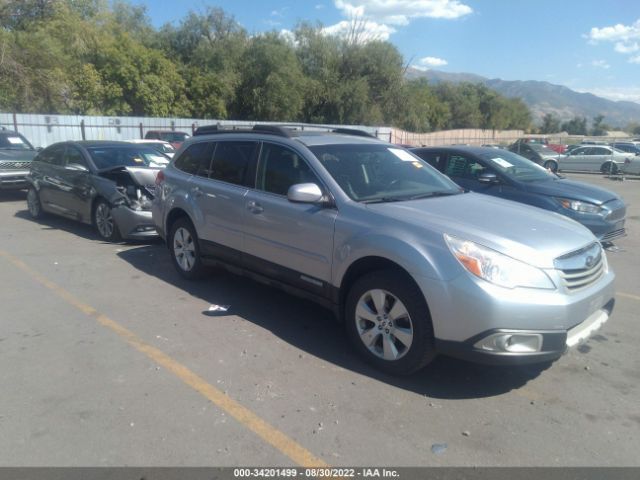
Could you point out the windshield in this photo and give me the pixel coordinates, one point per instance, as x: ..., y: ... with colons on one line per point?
x: 538, y: 147
x: 126, y: 156
x: 14, y: 141
x: 173, y: 136
x: 517, y: 167
x: 371, y: 173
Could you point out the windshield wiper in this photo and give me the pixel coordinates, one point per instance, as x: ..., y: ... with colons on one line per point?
x: 434, y: 194
x: 386, y: 200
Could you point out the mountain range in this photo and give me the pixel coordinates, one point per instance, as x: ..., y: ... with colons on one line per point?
x: 545, y: 97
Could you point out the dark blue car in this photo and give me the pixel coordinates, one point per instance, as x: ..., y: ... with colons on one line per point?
x: 507, y: 175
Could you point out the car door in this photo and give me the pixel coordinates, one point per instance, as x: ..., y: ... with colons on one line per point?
x: 291, y: 242
x: 75, y: 184
x: 578, y: 159
x: 219, y: 189
x: 47, y: 175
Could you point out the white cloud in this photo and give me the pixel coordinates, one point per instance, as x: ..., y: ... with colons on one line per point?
x: 622, y: 47
x: 618, y: 32
x: 600, y: 64
x: 635, y: 59
x: 320, y: 6
x: 429, y: 62
x: 401, y: 12
x: 629, y: 94
x: 288, y: 35
x: 365, y: 31
x: 624, y: 36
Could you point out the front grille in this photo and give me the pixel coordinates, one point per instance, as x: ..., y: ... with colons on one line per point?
x: 613, y: 235
x: 15, y: 165
x: 581, y: 268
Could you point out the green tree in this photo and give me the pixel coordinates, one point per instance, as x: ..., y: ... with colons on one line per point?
x: 273, y: 86
x: 575, y: 126
x: 550, y: 124
x: 598, y: 127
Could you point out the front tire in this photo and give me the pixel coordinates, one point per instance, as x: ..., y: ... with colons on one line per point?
x: 185, y: 250
x: 609, y: 167
x: 33, y: 203
x: 104, y: 222
x: 388, y: 322
x: 551, y: 166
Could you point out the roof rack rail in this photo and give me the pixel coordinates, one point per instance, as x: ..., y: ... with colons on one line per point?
x: 353, y: 131
x: 268, y: 129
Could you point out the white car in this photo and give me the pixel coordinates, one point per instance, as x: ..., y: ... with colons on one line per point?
x: 599, y: 158
x: 160, y: 145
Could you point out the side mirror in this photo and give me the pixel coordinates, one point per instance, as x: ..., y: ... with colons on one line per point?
x: 76, y: 167
x: 488, y: 178
x: 305, y: 193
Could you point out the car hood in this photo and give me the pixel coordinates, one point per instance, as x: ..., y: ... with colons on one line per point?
x: 141, y: 175
x: 8, y: 155
x: 529, y: 234
x: 574, y: 190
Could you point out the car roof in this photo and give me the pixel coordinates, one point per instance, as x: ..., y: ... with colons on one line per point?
x: 462, y: 148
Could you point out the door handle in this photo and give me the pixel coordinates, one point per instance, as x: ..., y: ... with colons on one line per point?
x: 254, y: 207
x: 197, y: 192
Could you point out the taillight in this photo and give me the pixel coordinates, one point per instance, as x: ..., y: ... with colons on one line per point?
x: 159, y: 177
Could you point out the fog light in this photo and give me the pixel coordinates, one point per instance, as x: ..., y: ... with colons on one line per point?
x: 511, y: 342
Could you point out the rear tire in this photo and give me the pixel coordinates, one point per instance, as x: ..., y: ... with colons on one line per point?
x: 609, y: 167
x: 33, y: 204
x: 551, y: 165
x: 388, y: 322
x: 185, y: 249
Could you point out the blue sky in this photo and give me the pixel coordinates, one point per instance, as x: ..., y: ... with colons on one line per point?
x: 586, y: 45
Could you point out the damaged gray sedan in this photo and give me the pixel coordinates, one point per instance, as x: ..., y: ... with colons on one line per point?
x: 107, y: 184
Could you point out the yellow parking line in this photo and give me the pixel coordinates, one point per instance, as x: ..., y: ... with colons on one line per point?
x: 628, y: 295
x: 246, y: 417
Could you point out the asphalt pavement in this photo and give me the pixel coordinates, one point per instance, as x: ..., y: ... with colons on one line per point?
x: 109, y: 358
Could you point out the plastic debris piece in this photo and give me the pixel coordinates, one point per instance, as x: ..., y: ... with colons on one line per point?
x: 438, y: 448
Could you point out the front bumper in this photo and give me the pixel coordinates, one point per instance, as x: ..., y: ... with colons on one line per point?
x: 134, y: 224
x: 13, y: 179
x: 554, y: 342
x: 466, y: 309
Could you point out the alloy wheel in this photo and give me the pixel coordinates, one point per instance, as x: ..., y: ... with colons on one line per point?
x: 384, y: 324
x: 184, y: 249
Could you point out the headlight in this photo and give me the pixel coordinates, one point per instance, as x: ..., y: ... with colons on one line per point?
x: 495, y: 267
x: 578, y: 206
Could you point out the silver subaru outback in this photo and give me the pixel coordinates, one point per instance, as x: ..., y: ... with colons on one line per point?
x: 413, y: 264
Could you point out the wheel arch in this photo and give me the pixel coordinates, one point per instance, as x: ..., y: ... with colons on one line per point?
x: 364, y: 266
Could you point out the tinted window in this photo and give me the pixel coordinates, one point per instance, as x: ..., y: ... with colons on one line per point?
x: 52, y: 155
x: 600, y: 151
x: 231, y: 161
x: 435, y: 159
x: 14, y: 141
x: 463, y: 167
x: 280, y: 168
x: 73, y: 156
x: 196, y: 160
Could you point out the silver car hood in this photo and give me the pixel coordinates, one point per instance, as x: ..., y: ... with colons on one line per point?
x: 529, y: 234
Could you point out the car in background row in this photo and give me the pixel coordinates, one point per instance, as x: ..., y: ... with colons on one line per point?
x: 507, y: 175
x: 107, y: 184
x: 414, y: 265
x: 629, y: 147
x: 171, y: 136
x: 598, y: 158
x: 538, y: 153
x: 16, y: 154
x: 160, y: 145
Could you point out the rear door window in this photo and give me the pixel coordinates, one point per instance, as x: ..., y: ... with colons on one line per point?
x: 232, y: 162
x: 196, y: 159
